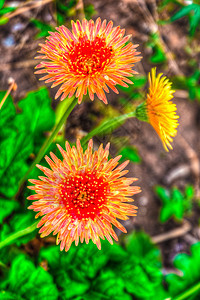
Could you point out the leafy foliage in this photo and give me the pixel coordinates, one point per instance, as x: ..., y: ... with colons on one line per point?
x: 4, y: 10
x: 25, y: 281
x: 132, y: 91
x: 22, y: 136
x: 43, y: 28
x: 193, y: 13
x: 130, y: 153
x: 142, y: 271
x: 189, y: 265
x: 112, y: 272
x: 8, y: 111
x: 174, y: 203
x: 18, y: 222
x: 7, y: 207
x: 190, y: 83
x: 158, y: 55
x: 115, y: 272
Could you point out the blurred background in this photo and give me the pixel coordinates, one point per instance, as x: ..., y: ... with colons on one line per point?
x: 159, y: 258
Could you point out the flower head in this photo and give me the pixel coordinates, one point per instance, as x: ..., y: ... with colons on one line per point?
x: 82, y: 196
x: 159, y: 110
x: 92, y: 58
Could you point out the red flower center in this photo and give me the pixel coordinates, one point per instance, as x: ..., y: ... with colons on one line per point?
x: 84, y: 195
x: 88, y: 57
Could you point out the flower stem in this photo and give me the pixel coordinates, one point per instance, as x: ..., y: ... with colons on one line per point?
x: 18, y: 234
x: 72, y: 102
x: 107, y: 126
x: 189, y: 292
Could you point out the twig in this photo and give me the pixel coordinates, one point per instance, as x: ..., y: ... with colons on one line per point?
x: 26, y: 7
x: 172, y: 234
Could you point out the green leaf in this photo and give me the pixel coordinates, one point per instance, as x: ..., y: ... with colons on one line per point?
x: 130, y: 153
x: 194, y: 20
x: 7, y: 207
x: 6, y: 295
x: 189, y: 266
x: 155, y: 44
x: 56, y: 258
x: 67, y: 269
x: 131, y: 90
x: 40, y: 285
x: 2, y: 3
x: 174, y: 203
x: 23, y: 135
x: 21, y: 221
x: 43, y: 28
x: 71, y: 288
x: 60, y: 19
x: 178, y: 203
x: 189, y: 192
x: 6, y: 10
x: 193, y: 11
x: 3, y: 20
x: 20, y: 272
x: 165, y: 214
x: 7, y: 112
x: 112, y: 286
x: 190, y: 83
x: 5, y: 231
x: 158, y: 55
x: 15, y: 150
x: 90, y: 260
x: 37, y: 111
x: 162, y: 193
x: 184, y: 11
x: 63, y: 7
x: 28, y: 281
x: 141, y: 271
x: 115, y: 252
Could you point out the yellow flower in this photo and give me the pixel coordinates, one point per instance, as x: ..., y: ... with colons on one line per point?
x: 159, y: 110
x: 83, y: 195
x: 91, y: 58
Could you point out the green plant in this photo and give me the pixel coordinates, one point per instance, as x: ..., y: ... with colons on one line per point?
x: 25, y: 281
x: 22, y: 136
x: 193, y: 13
x: 182, y: 286
x: 190, y: 83
x: 129, y: 153
x: 132, y: 91
x: 174, y: 203
x: 3, y: 11
x: 154, y: 43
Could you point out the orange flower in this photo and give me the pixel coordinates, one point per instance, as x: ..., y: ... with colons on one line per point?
x: 92, y: 58
x: 82, y: 196
x: 158, y: 110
